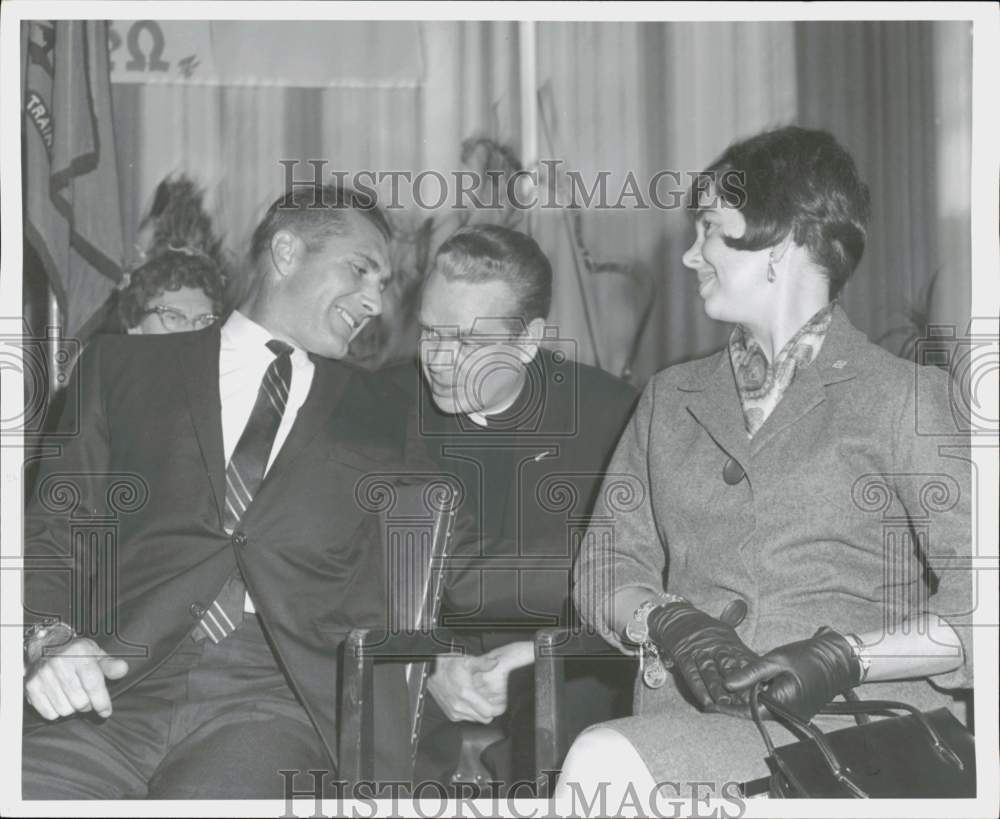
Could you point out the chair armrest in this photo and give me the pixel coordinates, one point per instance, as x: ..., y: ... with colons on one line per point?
x: 400, y: 646
x: 362, y: 650
x: 567, y: 643
x: 553, y: 646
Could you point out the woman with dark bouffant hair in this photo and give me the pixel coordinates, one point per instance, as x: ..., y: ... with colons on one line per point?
x: 786, y: 511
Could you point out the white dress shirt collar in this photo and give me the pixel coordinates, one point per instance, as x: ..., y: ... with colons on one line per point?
x: 241, y: 334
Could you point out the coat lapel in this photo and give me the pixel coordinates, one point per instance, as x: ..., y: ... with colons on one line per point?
x: 329, y: 382
x: 198, y: 371
x: 838, y: 360
x: 803, y: 394
x: 715, y: 404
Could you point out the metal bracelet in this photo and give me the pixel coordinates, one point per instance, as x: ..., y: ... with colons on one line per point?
x: 637, y: 629
x: 858, y: 650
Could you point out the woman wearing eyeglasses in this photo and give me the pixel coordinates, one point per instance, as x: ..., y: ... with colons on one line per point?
x: 177, y: 291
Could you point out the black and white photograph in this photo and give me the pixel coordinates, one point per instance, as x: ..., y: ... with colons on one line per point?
x: 499, y: 409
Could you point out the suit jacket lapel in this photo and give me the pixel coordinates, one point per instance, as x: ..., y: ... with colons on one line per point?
x: 198, y: 371
x: 330, y: 379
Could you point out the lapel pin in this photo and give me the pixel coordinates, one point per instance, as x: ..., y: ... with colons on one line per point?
x: 839, y: 364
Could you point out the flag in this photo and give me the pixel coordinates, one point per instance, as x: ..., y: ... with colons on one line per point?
x: 72, y: 210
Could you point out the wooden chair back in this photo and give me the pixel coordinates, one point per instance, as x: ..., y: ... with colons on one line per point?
x: 416, y: 524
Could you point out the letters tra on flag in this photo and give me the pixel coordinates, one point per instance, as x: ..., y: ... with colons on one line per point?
x: 72, y: 210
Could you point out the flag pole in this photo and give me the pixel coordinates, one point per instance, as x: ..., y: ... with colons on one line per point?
x: 53, y: 342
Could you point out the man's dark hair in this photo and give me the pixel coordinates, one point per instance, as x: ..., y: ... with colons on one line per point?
x: 490, y: 253
x: 315, y: 213
x: 169, y: 271
x: 801, y: 181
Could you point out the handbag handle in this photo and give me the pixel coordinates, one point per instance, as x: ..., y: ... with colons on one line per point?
x: 861, y: 718
x: 852, y: 706
x: 857, y: 706
x: 840, y: 772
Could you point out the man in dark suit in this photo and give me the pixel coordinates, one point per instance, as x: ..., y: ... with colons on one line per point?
x: 528, y: 432
x: 199, y: 657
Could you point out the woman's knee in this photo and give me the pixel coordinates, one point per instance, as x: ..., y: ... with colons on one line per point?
x: 599, y: 740
x: 602, y: 754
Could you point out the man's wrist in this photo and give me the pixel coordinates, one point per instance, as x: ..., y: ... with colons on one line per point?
x: 40, y: 636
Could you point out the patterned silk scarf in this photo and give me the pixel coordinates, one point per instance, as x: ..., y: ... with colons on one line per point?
x: 760, y: 384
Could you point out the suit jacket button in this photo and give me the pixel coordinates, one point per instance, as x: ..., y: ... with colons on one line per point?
x: 196, y: 610
x: 239, y: 539
x: 732, y: 472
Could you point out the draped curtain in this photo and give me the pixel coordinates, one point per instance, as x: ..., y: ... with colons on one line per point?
x: 647, y: 98
x: 615, y: 97
x: 878, y: 86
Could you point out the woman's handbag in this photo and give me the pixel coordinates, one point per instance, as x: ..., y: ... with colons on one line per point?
x: 918, y: 756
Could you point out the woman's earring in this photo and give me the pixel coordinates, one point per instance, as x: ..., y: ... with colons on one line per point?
x: 771, y: 275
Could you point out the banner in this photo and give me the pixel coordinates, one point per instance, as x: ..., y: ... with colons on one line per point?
x: 300, y: 54
x: 72, y: 211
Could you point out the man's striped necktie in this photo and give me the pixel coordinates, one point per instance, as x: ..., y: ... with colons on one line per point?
x: 244, y: 475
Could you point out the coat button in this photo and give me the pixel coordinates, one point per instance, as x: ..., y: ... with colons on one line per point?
x: 732, y: 472
x: 239, y: 539
x: 196, y: 610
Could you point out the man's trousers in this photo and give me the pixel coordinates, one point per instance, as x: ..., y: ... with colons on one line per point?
x: 214, y: 721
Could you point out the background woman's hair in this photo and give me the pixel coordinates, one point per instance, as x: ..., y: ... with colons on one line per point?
x: 179, y: 220
x: 801, y: 181
x: 168, y: 271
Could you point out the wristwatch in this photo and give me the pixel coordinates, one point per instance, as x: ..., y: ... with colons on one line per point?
x: 653, y: 666
x: 42, y: 634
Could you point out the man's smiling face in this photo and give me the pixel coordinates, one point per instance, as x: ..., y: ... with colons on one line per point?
x: 336, y: 287
x: 474, y: 346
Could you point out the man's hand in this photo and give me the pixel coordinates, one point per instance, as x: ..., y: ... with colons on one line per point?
x: 458, y: 687
x: 492, y: 684
x: 70, y: 678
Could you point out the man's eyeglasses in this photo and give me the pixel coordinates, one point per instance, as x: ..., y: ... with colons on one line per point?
x: 174, y: 321
x: 484, y: 334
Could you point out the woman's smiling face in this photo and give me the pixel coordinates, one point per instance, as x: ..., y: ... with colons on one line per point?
x: 732, y: 283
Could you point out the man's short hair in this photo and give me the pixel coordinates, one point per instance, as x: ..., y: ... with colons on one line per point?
x: 315, y: 213
x: 490, y: 253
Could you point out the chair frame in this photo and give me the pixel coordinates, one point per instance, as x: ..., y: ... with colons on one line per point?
x: 553, y: 647
x: 410, y: 636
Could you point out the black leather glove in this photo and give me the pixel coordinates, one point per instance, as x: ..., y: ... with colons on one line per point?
x: 802, y: 676
x: 704, y: 650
